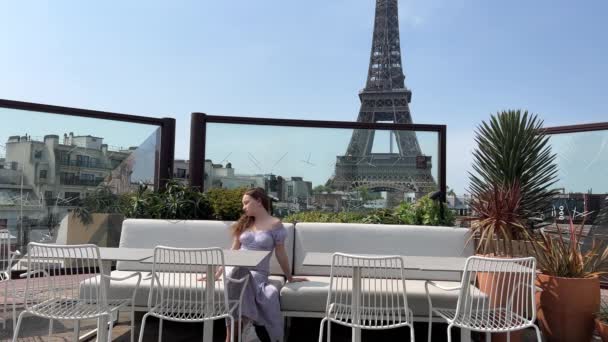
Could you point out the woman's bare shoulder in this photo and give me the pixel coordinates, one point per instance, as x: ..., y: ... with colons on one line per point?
x: 276, y: 222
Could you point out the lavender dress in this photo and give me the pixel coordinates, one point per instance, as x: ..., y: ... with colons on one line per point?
x: 260, y: 299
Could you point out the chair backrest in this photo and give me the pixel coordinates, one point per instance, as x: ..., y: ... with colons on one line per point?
x: 5, y: 254
x: 176, y: 288
x: 508, y: 285
x: 64, y: 272
x: 382, y: 300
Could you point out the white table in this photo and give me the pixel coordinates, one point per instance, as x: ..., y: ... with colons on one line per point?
x: 107, y: 255
x: 419, y: 263
x: 240, y: 258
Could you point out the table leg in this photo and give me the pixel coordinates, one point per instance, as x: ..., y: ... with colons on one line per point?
x: 356, y: 303
x: 209, y: 289
x: 465, y: 335
x: 102, y: 323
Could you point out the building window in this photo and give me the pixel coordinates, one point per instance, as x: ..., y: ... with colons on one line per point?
x: 3, y: 223
x: 66, y: 178
x: 181, y: 173
x: 87, y: 176
x: 43, y: 174
x: 82, y: 160
x: 48, y: 194
x: 64, y: 157
x: 38, y: 154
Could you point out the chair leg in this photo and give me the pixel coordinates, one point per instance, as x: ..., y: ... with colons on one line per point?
x: 111, y: 327
x: 321, y: 329
x: 430, y: 331
x: 76, y: 330
x: 450, y: 333
x: 231, y: 328
x: 132, y: 323
x: 412, y: 338
x: 160, y: 330
x: 16, y: 331
x: 50, y: 327
x: 328, y: 331
x: 488, y: 337
x: 143, y: 327
x: 539, y: 338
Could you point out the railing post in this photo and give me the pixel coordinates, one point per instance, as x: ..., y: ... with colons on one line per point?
x: 166, y: 153
x: 197, y: 150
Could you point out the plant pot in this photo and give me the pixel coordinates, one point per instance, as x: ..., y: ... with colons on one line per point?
x: 566, y: 307
x: 485, y: 282
x: 602, y: 329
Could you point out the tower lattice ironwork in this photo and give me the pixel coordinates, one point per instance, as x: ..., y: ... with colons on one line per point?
x: 385, y: 99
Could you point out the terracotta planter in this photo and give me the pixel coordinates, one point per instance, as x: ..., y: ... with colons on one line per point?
x: 566, y: 307
x: 485, y: 282
x: 602, y: 329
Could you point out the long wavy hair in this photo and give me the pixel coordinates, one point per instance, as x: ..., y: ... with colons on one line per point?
x: 245, y: 222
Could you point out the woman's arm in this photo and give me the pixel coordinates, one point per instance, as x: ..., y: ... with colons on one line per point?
x: 236, y: 245
x: 281, y: 254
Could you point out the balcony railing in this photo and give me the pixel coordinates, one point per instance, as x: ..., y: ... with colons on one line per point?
x: 87, y: 164
x: 84, y: 182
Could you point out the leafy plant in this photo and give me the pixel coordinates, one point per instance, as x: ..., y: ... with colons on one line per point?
x: 101, y: 200
x: 425, y: 212
x: 175, y: 202
x: 602, y: 315
x: 497, y: 216
x: 226, y: 204
x: 561, y: 256
x: 513, y: 150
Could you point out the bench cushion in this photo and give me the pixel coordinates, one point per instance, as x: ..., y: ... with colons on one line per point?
x: 311, y: 296
x: 148, y: 233
x: 381, y: 239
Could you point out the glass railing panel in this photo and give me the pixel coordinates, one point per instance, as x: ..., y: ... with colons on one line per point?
x: 582, y: 161
x: 51, y: 165
x: 323, y: 169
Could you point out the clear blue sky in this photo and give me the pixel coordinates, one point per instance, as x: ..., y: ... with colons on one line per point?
x: 463, y: 60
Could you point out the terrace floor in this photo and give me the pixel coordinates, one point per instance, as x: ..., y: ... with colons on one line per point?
x: 35, y: 329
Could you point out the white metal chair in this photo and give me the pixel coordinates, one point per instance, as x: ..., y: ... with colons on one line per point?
x: 367, y: 293
x: 177, y: 294
x: 508, y: 303
x: 66, y: 282
x: 6, y: 262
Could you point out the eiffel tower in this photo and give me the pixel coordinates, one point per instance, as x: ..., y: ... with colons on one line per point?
x: 385, y: 99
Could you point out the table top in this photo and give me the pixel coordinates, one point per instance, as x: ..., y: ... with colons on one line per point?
x: 231, y: 258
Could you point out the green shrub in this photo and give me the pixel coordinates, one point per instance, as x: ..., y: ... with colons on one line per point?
x: 176, y: 202
x: 424, y: 212
x: 226, y: 204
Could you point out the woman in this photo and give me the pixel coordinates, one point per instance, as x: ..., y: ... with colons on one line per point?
x: 258, y: 230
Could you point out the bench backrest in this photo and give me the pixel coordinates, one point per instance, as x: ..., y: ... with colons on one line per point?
x: 148, y: 233
x: 380, y: 239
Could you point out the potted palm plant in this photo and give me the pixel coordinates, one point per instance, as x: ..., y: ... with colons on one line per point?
x: 510, y: 187
x: 569, y: 281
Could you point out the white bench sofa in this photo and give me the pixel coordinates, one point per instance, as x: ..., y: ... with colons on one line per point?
x: 308, y: 299
x: 148, y: 233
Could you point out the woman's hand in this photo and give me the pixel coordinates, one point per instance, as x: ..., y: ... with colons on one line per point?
x: 296, y: 279
x: 203, y: 277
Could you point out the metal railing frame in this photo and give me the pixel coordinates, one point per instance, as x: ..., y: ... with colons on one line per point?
x: 165, y: 152
x: 198, y: 128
